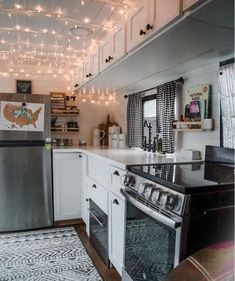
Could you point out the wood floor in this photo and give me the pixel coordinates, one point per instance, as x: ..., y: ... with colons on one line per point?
x: 106, y: 274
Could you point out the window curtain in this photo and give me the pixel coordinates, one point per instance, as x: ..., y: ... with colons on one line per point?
x: 226, y: 79
x: 165, y: 99
x: 134, y: 120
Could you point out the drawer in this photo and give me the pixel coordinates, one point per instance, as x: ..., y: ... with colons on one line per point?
x: 116, y: 175
x: 98, y: 194
x: 98, y: 170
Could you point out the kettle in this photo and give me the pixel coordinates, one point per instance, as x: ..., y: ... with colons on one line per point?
x: 98, y: 135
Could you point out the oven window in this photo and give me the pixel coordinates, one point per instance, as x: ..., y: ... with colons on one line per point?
x: 150, y: 246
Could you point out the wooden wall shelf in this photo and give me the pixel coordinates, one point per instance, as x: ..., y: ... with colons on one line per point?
x: 64, y: 130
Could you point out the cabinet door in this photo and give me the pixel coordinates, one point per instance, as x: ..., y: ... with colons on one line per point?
x: 94, y: 60
x: 116, y: 231
x: 165, y: 12
x: 67, y: 186
x: 105, y: 53
x: 119, y: 43
x: 85, y: 193
x: 187, y: 4
x: 81, y: 76
x: 138, y: 19
x: 87, y: 70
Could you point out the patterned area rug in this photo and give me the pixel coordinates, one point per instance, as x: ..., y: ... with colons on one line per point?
x: 54, y: 254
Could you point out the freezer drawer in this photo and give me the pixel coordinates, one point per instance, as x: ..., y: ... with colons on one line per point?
x: 25, y: 188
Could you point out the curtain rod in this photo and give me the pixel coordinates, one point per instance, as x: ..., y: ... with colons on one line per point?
x: 180, y: 80
x: 226, y: 62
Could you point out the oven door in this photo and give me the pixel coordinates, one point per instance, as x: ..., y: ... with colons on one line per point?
x: 99, y: 231
x: 151, y: 242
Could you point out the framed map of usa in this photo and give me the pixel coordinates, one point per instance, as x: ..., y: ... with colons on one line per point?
x: 17, y: 116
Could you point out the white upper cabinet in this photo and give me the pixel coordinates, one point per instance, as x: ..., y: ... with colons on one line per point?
x: 118, y: 38
x: 165, y: 12
x: 87, y: 70
x: 187, y: 4
x: 95, y: 63
x: 79, y: 76
x: 91, y: 65
x: 148, y: 17
x: 113, y: 47
x: 105, y: 52
x: 141, y: 16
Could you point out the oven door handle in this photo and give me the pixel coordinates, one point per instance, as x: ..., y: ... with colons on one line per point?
x: 95, y: 217
x: 150, y: 212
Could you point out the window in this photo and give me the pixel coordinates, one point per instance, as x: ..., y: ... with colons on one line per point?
x: 149, y: 115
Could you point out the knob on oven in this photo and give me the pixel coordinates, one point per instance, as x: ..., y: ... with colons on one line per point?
x: 156, y: 194
x: 128, y: 181
x: 145, y: 189
x: 171, y: 201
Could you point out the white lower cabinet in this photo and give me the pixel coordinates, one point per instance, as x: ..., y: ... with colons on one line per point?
x: 116, y: 231
x: 67, y: 170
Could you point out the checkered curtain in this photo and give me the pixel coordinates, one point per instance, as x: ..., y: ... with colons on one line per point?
x: 165, y: 99
x: 227, y: 99
x: 134, y: 120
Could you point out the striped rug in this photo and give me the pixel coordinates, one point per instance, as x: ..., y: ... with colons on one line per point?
x: 53, y: 254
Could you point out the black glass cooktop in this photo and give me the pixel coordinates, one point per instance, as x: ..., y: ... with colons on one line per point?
x: 188, y: 177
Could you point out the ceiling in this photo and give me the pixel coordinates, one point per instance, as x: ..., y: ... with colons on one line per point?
x: 37, y: 32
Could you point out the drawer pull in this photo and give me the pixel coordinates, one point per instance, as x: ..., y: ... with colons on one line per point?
x: 116, y: 173
x: 115, y: 201
x: 95, y: 217
x: 148, y: 26
x: 142, y: 32
x: 94, y: 186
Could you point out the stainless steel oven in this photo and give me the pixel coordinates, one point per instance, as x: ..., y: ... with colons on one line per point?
x: 99, y: 231
x: 152, y: 242
x: 173, y: 210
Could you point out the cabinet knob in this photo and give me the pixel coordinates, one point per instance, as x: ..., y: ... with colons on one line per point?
x: 116, y: 173
x: 148, y: 26
x: 106, y: 60
x: 115, y: 201
x: 90, y: 74
x: 80, y: 156
x: 110, y: 58
x: 87, y: 199
x: 87, y: 75
x: 94, y: 186
x: 142, y: 32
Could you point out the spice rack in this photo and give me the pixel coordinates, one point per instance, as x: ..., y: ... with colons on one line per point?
x: 187, y: 126
x: 193, y: 126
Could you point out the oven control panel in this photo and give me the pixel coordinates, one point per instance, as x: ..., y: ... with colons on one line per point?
x: 159, y: 196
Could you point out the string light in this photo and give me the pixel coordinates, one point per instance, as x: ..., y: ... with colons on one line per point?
x: 21, y: 52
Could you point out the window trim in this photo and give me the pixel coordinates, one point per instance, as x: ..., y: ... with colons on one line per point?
x: 144, y: 99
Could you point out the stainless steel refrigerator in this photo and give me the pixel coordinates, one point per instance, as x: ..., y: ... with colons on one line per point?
x: 26, y: 196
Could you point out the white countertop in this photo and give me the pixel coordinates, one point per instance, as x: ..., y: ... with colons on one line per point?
x: 124, y: 157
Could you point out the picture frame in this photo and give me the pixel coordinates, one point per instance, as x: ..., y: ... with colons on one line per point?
x: 23, y: 86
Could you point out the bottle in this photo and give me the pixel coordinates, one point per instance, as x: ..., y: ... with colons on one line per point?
x: 159, y: 144
x: 107, y: 125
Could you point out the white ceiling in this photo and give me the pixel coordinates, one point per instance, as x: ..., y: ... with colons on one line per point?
x: 34, y: 32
